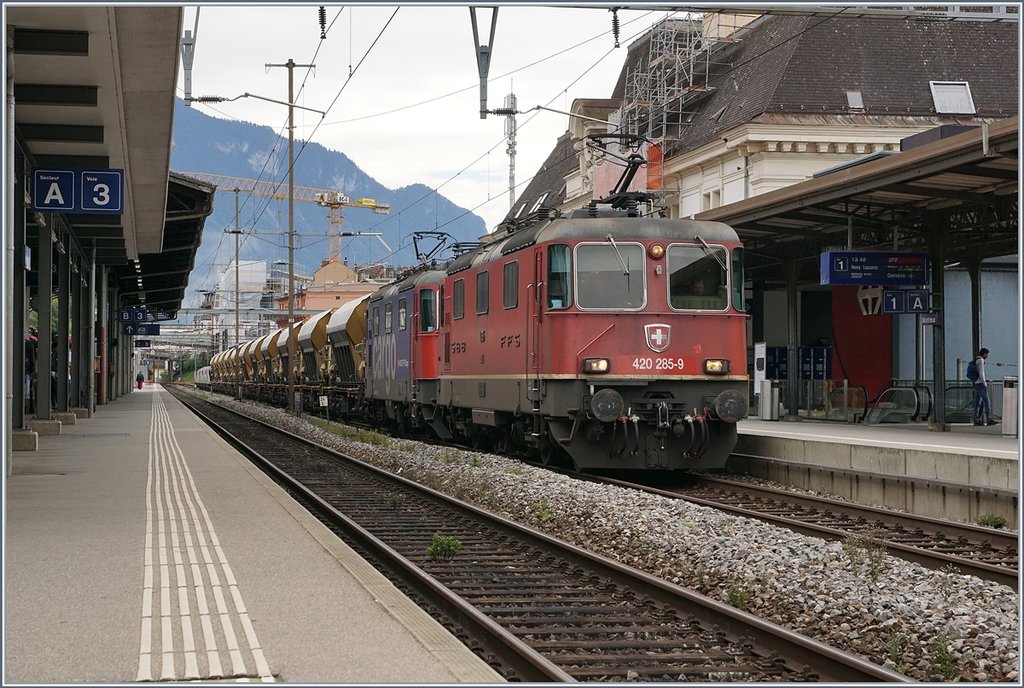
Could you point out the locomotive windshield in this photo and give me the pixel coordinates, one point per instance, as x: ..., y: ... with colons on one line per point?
x: 610, y: 276
x: 697, y: 278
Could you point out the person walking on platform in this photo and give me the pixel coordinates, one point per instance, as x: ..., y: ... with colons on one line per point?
x: 981, y: 402
x: 139, y: 379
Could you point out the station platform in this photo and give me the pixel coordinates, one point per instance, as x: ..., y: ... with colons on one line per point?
x: 961, y: 474
x: 141, y: 547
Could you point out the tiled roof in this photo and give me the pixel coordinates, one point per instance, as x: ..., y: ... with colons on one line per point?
x: 805, y: 65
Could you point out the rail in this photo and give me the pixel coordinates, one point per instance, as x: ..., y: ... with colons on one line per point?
x: 552, y: 610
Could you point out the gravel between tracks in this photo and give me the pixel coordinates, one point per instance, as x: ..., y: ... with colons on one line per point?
x: 929, y: 625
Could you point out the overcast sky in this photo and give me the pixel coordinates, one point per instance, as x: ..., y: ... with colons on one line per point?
x: 409, y: 112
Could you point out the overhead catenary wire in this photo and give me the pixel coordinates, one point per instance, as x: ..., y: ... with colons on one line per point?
x: 263, y: 207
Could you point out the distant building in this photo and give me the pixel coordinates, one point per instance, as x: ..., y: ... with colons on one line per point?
x: 335, y: 284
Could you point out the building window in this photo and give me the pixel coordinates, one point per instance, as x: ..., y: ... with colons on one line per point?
x: 952, y: 97
x: 482, y: 284
x: 459, y: 299
x: 854, y: 100
x: 510, y: 285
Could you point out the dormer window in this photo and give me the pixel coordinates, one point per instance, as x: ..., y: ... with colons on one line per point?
x: 855, y: 100
x: 540, y: 201
x: 952, y: 97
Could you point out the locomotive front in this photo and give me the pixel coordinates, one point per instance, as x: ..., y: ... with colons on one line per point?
x: 644, y: 343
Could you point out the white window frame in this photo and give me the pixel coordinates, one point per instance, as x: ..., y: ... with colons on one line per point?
x: 950, y: 97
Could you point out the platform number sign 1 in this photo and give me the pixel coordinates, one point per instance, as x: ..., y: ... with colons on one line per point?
x: 894, y: 301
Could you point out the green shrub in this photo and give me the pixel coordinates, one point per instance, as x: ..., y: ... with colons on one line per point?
x: 542, y: 511
x: 991, y: 521
x: 443, y: 547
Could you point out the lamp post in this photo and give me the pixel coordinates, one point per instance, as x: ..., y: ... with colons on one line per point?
x: 290, y: 65
x: 238, y: 294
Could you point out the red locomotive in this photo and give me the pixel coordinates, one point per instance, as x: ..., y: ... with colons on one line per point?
x: 610, y: 341
x: 602, y: 340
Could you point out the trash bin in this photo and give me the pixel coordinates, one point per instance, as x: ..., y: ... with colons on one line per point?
x: 769, y: 403
x: 1009, y: 407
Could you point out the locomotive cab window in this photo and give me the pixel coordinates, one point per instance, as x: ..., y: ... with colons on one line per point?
x: 559, y: 277
x: 387, y: 318
x: 376, y: 320
x: 698, y: 278
x: 738, y: 301
x: 610, y: 276
x: 401, y: 313
x: 428, y: 311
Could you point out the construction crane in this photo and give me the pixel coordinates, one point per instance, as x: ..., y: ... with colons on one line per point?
x: 333, y: 200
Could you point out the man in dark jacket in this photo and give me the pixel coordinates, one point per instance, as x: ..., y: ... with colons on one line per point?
x: 981, y: 391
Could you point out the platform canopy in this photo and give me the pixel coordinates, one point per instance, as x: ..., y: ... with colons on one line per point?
x: 94, y: 89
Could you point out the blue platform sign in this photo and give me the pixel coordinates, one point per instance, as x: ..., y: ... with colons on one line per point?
x: 874, y: 268
x: 79, y: 191
x: 102, y: 191
x: 53, y: 190
x: 894, y: 301
x: 137, y: 314
x: 917, y: 301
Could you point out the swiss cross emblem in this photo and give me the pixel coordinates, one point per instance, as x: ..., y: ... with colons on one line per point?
x: 658, y: 337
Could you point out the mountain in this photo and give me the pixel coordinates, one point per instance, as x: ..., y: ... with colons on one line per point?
x: 224, y: 147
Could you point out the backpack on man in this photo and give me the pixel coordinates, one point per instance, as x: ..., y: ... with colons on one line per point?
x: 972, y: 371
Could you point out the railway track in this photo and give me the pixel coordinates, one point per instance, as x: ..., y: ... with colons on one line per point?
x: 547, y: 611
x: 934, y: 543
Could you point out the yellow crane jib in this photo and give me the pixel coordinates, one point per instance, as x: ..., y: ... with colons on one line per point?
x: 328, y: 198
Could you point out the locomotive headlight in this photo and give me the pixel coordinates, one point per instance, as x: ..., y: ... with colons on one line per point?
x: 595, y: 365
x: 656, y: 251
x: 716, y: 366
